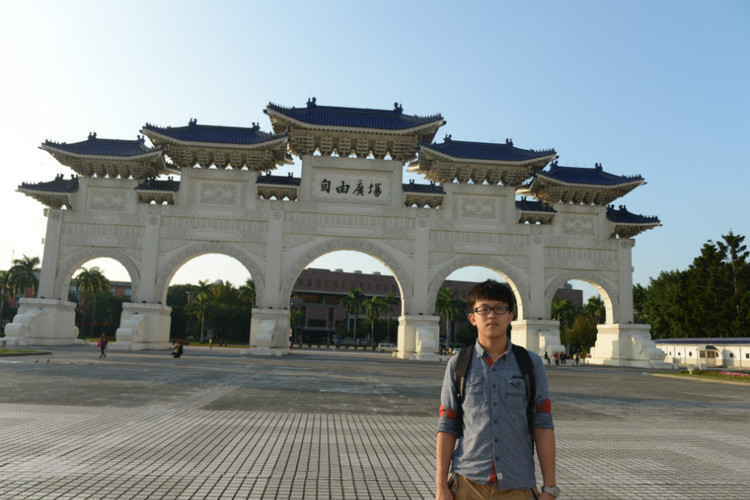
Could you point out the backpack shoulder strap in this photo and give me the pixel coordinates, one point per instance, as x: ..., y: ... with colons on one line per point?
x: 527, y: 370
x: 460, y: 370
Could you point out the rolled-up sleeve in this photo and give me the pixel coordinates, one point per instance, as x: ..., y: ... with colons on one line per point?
x: 448, y: 421
x: 542, y: 417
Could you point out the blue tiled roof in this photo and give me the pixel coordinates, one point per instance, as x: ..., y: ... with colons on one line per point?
x: 104, y: 147
x: 485, y: 150
x: 621, y: 215
x: 431, y: 188
x: 593, y: 176
x: 279, y: 180
x: 152, y: 184
x: 59, y: 185
x: 534, y: 206
x: 330, y: 116
x: 214, y: 134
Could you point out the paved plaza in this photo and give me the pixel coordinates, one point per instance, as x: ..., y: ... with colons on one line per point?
x: 318, y: 424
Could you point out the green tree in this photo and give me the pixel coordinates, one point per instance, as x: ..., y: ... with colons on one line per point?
x: 247, y: 292
x: 197, y: 307
x: 296, y: 318
x: 388, y: 301
x: 449, y: 307
x: 353, y: 304
x: 565, y: 312
x: 373, y: 308
x: 711, y: 298
x: 583, y: 332
x: 595, y: 310
x: 89, y: 283
x: 5, y: 293
x: 23, y: 276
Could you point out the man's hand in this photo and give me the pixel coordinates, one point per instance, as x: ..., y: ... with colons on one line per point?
x: 443, y: 492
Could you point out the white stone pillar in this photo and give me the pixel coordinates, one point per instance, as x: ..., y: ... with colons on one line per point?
x: 626, y: 345
x: 536, y: 307
x: 51, y: 254
x: 149, y: 262
x: 417, y: 337
x: 538, y: 336
x: 143, y: 327
x: 269, y: 332
x: 625, y: 281
x: 43, y: 322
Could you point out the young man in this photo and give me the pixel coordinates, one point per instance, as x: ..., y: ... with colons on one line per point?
x: 494, y: 457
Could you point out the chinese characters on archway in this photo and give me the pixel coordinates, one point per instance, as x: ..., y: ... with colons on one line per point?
x: 363, y: 189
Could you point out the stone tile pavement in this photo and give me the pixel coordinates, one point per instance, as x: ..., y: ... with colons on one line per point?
x: 336, y: 425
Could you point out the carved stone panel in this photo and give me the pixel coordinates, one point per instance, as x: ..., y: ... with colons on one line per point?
x: 101, y: 199
x: 222, y: 194
x: 479, y: 208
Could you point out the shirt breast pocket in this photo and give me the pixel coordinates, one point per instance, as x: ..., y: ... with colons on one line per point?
x: 515, y: 392
x: 474, y: 392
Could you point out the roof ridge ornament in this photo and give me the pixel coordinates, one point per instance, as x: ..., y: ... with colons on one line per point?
x: 92, y: 136
x: 508, y: 141
x: 193, y: 122
x: 398, y: 108
x: 311, y: 103
x: 447, y: 138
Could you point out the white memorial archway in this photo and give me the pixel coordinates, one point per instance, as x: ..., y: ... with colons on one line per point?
x: 351, y: 195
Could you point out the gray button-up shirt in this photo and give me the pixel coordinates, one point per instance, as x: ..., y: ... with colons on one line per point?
x: 495, y: 427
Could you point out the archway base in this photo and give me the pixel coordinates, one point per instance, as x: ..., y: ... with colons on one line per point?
x: 143, y: 327
x: 418, y: 338
x: 43, y: 322
x: 537, y: 336
x: 269, y: 332
x: 626, y: 345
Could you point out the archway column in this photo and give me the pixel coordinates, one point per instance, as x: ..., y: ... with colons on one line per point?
x: 626, y: 345
x: 538, y: 336
x: 269, y: 332
x: 418, y: 337
x: 43, y: 322
x: 143, y: 327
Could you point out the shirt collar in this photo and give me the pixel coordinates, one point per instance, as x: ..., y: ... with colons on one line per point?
x: 479, y: 350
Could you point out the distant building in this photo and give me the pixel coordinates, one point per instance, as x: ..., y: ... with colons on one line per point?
x: 567, y: 292
x: 707, y: 352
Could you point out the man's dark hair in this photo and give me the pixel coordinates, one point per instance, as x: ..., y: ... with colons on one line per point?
x: 491, y: 290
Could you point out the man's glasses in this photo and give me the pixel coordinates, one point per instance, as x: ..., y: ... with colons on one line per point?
x: 498, y: 310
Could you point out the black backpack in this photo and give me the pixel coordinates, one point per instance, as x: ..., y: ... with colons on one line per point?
x: 527, y: 369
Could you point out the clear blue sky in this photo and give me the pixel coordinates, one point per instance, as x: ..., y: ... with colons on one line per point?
x: 656, y: 88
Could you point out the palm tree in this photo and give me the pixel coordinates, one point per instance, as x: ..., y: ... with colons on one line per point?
x: 4, y: 291
x: 197, y: 307
x: 352, y: 303
x: 23, y: 275
x: 388, y: 301
x: 373, y: 308
x: 247, y: 292
x: 89, y: 282
x: 448, y: 306
x: 595, y: 309
x: 295, y: 320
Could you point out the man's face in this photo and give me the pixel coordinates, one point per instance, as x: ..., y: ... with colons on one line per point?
x: 492, y: 324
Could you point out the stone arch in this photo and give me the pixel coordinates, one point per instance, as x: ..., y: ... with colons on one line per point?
x: 68, y: 266
x: 606, y: 288
x: 516, y: 277
x: 168, y: 268
x: 373, y: 249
